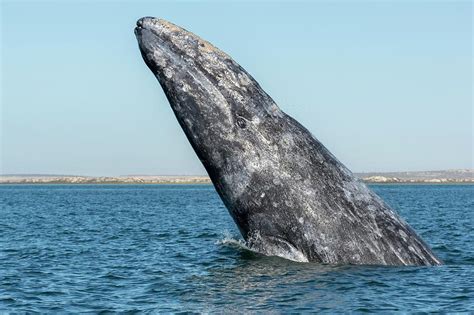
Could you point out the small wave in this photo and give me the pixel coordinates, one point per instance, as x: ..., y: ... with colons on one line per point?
x: 229, y: 240
x: 235, y: 245
x: 112, y: 276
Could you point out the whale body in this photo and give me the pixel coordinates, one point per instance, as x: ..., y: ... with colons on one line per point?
x: 288, y: 195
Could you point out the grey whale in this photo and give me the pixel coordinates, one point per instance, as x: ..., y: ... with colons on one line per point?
x: 288, y: 195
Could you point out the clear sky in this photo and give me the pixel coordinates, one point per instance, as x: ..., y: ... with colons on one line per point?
x: 386, y: 86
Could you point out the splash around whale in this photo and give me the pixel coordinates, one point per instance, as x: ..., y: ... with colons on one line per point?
x: 288, y: 195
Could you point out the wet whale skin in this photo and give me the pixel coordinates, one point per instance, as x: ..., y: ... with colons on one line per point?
x: 288, y: 195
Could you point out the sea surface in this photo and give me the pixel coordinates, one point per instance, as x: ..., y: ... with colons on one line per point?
x: 172, y: 248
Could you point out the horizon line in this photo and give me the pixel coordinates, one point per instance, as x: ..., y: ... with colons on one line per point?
x: 206, y: 175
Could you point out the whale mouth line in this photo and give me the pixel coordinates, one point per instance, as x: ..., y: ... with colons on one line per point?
x: 141, y: 25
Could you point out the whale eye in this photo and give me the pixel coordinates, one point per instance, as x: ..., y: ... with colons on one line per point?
x: 241, y: 122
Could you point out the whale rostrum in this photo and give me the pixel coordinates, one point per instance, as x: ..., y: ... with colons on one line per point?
x: 288, y: 195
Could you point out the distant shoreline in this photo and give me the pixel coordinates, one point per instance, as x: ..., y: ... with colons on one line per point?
x: 210, y: 184
x: 464, y: 176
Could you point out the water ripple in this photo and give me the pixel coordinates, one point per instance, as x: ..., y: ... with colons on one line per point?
x: 153, y: 248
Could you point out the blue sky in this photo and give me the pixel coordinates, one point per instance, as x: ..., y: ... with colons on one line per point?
x: 386, y: 86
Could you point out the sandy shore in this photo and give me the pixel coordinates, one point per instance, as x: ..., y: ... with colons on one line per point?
x: 429, y: 177
x: 60, y: 179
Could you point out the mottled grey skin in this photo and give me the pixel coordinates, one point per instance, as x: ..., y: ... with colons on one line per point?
x: 287, y: 193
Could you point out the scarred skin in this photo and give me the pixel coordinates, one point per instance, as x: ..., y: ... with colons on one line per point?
x: 286, y: 192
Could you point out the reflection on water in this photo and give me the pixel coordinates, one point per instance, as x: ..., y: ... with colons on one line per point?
x: 174, y: 248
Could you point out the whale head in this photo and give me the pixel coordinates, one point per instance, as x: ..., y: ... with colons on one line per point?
x: 221, y: 108
x: 202, y: 83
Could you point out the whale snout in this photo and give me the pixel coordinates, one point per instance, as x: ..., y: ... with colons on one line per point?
x: 149, y: 25
x: 147, y: 22
x: 141, y: 21
x: 158, y: 38
x: 161, y: 28
x: 155, y: 42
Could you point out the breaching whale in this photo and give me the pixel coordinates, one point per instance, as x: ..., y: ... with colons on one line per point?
x: 288, y: 195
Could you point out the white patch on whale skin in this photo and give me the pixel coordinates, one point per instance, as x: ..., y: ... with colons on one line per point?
x: 168, y: 73
x: 403, y: 234
x: 189, y: 123
x: 287, y: 140
x: 159, y: 58
x: 244, y: 79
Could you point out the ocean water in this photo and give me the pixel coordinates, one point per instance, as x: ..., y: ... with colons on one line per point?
x: 172, y: 248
